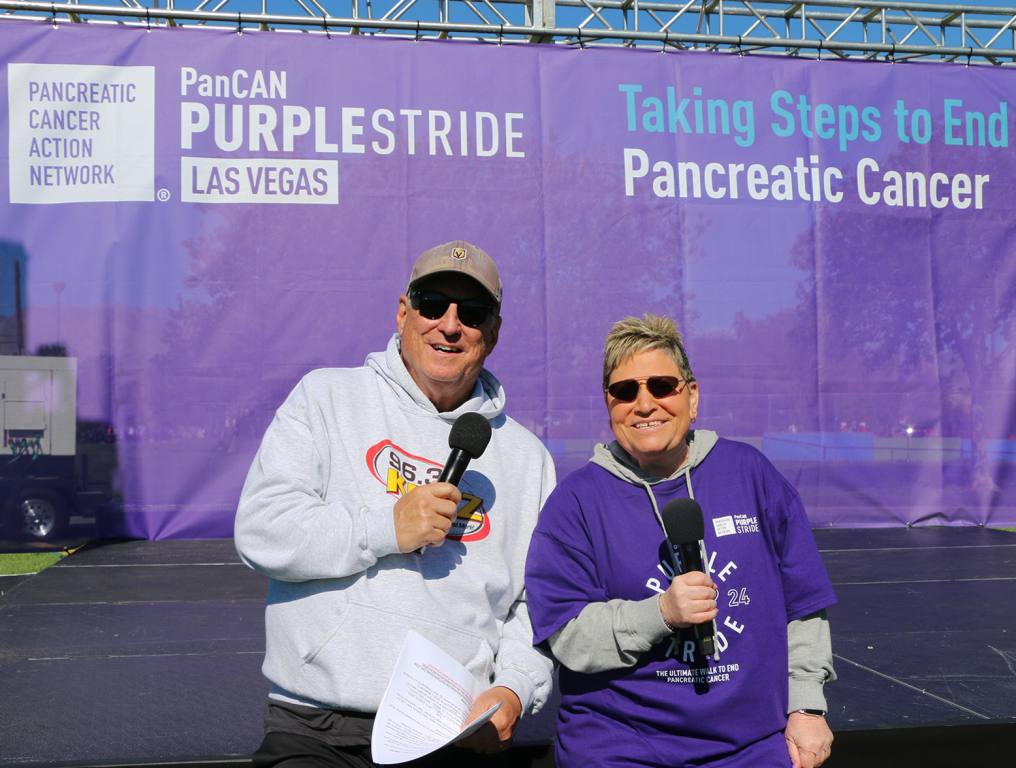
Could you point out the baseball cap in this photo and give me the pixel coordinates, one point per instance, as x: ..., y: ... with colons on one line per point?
x: 463, y: 257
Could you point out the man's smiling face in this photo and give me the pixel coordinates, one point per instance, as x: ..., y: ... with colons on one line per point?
x: 444, y: 355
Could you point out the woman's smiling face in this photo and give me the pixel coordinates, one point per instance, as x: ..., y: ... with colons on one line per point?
x: 653, y: 430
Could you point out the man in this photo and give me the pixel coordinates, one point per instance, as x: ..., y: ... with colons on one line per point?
x: 341, y: 509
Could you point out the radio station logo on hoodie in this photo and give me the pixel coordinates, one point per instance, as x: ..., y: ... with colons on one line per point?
x: 400, y: 471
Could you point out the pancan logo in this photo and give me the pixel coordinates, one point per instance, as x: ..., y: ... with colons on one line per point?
x: 81, y: 133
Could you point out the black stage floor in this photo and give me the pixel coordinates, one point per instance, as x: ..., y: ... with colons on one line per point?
x: 149, y: 652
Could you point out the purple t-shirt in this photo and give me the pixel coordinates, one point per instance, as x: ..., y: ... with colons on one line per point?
x: 598, y: 539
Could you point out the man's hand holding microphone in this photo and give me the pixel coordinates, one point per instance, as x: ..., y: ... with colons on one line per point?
x: 424, y: 516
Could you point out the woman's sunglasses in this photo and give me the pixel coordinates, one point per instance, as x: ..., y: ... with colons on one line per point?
x: 627, y: 390
x: 433, y: 305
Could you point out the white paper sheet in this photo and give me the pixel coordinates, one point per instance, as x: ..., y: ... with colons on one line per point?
x: 425, y: 704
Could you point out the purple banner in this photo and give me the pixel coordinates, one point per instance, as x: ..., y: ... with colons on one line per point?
x: 196, y: 218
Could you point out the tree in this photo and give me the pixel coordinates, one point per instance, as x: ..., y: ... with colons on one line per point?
x: 927, y: 299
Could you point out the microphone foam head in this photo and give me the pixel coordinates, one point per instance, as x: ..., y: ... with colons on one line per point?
x: 470, y: 434
x: 682, y: 521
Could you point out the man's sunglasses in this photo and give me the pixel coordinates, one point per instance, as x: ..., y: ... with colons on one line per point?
x: 433, y: 305
x: 627, y: 390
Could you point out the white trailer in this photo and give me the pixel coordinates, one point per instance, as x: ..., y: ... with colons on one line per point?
x: 38, y: 404
x: 39, y: 484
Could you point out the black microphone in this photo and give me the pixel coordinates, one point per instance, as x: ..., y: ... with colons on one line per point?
x: 468, y: 440
x: 682, y: 522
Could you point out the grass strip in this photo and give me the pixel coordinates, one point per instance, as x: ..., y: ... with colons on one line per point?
x: 28, y: 562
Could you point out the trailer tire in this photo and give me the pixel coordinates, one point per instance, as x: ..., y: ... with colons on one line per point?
x: 39, y: 514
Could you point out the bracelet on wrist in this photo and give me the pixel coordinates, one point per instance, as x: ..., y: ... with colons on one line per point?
x: 813, y: 712
x: 659, y: 604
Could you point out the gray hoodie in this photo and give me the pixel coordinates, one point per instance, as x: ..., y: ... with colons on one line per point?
x: 316, y: 516
x: 615, y: 633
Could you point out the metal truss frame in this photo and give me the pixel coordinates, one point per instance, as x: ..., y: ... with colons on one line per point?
x: 881, y: 30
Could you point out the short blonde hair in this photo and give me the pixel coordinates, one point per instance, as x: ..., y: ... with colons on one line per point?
x: 642, y: 334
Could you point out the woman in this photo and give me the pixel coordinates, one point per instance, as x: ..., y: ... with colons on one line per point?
x: 636, y: 687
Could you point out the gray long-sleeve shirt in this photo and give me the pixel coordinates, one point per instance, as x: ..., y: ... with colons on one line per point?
x: 614, y: 634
